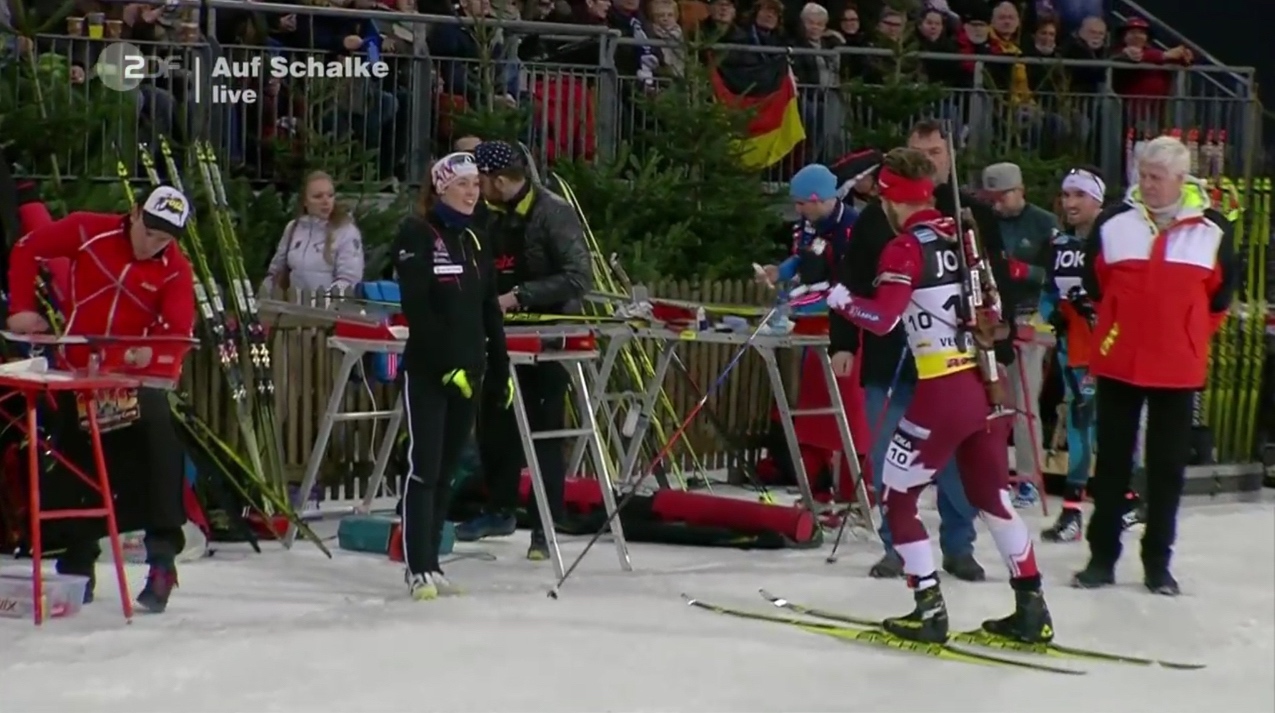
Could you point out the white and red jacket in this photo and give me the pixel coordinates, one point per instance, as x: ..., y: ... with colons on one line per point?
x: 1161, y: 294
x: 106, y: 289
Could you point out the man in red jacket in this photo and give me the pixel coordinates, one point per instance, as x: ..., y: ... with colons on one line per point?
x: 125, y: 276
x: 1161, y: 266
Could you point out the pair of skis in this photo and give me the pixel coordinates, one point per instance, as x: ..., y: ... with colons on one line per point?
x: 862, y: 630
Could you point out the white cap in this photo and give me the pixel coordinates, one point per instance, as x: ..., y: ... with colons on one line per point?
x: 166, y: 209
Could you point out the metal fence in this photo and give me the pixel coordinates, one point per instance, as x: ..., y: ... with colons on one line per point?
x: 387, y: 127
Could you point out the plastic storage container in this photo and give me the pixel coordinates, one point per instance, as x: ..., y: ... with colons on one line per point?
x: 63, y: 594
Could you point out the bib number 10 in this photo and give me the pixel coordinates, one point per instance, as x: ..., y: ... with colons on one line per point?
x: 923, y: 321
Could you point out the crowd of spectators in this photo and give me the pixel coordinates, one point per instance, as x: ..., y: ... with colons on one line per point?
x: 530, y: 66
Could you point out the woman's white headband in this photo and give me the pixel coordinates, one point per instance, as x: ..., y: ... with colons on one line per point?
x: 451, y: 167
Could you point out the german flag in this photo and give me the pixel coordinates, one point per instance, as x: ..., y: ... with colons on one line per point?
x: 762, y: 84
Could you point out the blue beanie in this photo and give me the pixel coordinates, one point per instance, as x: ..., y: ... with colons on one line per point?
x: 813, y: 183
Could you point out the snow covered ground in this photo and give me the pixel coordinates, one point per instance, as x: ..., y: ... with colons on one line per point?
x: 291, y: 631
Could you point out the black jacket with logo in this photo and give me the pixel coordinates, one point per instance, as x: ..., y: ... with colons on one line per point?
x: 538, y: 245
x: 449, y: 299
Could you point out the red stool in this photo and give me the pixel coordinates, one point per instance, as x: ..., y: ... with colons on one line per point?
x: 35, y: 387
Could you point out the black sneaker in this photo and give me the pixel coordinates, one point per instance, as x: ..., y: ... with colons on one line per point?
x: 160, y: 583
x: 1094, y: 575
x: 1161, y: 581
x: 80, y: 570
x: 964, y: 567
x: 888, y: 567
x: 1070, y: 527
x: 927, y: 623
x: 1030, y: 623
x: 539, y: 549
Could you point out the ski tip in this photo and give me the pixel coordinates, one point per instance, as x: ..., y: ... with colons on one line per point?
x: 689, y: 599
x: 777, y: 601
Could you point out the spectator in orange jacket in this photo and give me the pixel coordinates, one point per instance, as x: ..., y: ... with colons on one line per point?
x: 1161, y: 267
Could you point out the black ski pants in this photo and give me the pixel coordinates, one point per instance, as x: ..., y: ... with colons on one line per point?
x: 544, y: 390
x: 157, y: 483
x: 1168, y: 439
x: 439, y: 421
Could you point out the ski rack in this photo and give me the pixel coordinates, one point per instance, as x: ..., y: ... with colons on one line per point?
x: 586, y: 436
x: 766, y: 346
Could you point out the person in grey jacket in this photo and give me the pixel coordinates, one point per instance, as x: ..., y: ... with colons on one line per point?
x: 542, y: 265
x: 321, y: 250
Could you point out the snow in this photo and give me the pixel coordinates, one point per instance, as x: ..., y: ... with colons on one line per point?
x: 292, y: 631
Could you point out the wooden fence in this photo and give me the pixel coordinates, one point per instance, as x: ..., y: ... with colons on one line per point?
x: 304, y: 372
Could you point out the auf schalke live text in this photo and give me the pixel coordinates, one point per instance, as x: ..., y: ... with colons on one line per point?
x: 309, y: 68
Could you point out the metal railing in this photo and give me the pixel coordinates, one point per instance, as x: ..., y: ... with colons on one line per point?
x: 389, y: 126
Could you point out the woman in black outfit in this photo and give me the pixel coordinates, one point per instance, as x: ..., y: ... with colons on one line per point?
x: 456, y: 339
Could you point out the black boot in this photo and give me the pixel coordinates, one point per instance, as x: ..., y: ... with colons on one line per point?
x: 1157, y: 578
x: 1069, y: 527
x: 888, y: 567
x: 539, y: 549
x: 964, y: 567
x: 1030, y: 622
x: 1095, y: 574
x: 160, y: 583
x: 928, y: 621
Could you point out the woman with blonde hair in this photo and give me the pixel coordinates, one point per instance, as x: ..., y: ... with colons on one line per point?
x: 321, y: 249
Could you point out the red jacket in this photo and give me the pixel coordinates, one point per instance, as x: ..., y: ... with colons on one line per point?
x: 111, y: 292
x: 1161, y: 294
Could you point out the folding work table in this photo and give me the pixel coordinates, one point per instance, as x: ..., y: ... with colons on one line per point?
x: 766, y: 346
x: 353, y: 351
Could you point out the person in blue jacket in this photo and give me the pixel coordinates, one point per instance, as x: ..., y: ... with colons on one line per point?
x: 820, y: 237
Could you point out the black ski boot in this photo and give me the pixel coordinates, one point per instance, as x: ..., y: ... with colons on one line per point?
x: 1030, y: 623
x: 160, y: 583
x: 1136, y: 514
x: 1158, y: 579
x: 928, y: 621
x: 1070, y: 527
x: 888, y: 567
x: 964, y: 567
x: 1095, y: 574
x: 539, y: 549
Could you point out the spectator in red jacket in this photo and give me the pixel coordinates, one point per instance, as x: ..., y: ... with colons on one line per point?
x: 1149, y: 82
x: 1161, y: 266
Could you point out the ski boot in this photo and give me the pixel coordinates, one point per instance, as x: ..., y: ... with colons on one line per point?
x: 928, y: 621
x: 888, y: 567
x: 1095, y: 574
x: 1158, y: 579
x: 487, y: 525
x: 1069, y: 527
x: 1136, y: 514
x: 421, y: 587
x: 964, y: 567
x: 539, y: 549
x: 444, y: 585
x: 1025, y: 496
x: 161, y: 580
x: 1030, y: 623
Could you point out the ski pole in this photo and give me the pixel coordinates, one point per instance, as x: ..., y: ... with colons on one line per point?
x: 664, y: 452
x: 876, y: 432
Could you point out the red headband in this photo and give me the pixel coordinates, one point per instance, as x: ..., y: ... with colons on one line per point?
x: 897, y: 189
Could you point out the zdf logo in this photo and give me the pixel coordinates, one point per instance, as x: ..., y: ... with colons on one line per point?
x: 123, y: 66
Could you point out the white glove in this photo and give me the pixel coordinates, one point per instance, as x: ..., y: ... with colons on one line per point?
x: 839, y: 297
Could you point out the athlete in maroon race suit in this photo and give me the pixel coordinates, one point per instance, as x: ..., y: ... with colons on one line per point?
x: 919, y: 282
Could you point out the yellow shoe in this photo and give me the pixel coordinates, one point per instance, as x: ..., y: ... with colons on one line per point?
x: 539, y: 550
x: 422, y: 587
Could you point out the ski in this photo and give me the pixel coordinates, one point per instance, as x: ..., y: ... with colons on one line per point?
x: 873, y: 636
x: 978, y: 637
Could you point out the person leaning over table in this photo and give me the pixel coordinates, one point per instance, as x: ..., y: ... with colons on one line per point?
x: 1161, y: 268
x: 455, y: 345
x: 542, y: 265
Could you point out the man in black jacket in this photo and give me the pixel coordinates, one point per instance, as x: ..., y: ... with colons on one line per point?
x: 887, y: 371
x: 543, y: 265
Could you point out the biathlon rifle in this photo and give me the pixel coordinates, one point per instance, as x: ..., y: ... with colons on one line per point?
x: 980, y: 312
